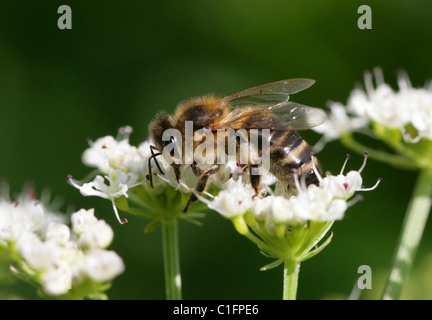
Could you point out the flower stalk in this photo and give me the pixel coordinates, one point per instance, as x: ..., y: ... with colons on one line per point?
x: 395, y: 160
x: 171, y: 258
x: 290, y: 282
x: 411, y: 234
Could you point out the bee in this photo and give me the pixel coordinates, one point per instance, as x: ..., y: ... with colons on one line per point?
x: 263, y: 107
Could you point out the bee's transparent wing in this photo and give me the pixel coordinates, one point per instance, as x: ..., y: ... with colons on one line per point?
x: 296, y: 116
x: 283, y: 116
x: 267, y: 106
x: 269, y: 94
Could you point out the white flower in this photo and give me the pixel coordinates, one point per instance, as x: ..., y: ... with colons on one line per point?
x: 341, y: 186
x: 102, y: 153
x: 23, y: 216
x: 39, y: 255
x: 99, y: 235
x: 338, y: 123
x: 317, y: 204
x: 344, y: 186
x: 46, y: 251
x: 62, y: 261
x: 93, y: 233
x: 262, y: 208
x: 234, y: 199
x: 108, y: 153
x: 276, y: 210
x: 102, y: 265
x: 385, y: 106
x: 281, y: 210
x: 109, y: 187
x: 58, y: 232
x: 82, y: 220
x: 13, y: 223
x: 57, y: 279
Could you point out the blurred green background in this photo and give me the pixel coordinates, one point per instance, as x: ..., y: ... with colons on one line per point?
x: 124, y: 60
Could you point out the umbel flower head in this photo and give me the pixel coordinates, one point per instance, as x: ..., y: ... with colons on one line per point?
x: 402, y: 119
x: 285, y: 226
x: 123, y: 178
x: 61, y: 261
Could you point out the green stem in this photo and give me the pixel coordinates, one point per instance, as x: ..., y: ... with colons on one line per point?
x: 396, y: 160
x: 291, y: 272
x: 412, y: 231
x: 171, y: 259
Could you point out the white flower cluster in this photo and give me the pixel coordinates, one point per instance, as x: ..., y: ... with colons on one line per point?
x: 53, y: 255
x: 326, y: 202
x: 108, y: 154
x: 381, y: 104
x: 124, y: 167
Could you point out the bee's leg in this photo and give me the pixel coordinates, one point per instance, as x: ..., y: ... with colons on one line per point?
x: 176, y: 169
x: 153, y: 156
x: 201, y: 184
x: 255, y: 178
x: 195, y: 169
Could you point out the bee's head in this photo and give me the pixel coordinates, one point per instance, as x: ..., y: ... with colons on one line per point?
x: 157, y: 127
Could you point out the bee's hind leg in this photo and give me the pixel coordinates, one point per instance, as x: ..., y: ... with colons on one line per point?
x: 201, y: 184
x: 255, y: 178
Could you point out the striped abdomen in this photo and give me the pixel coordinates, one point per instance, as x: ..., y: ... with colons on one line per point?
x: 289, y: 153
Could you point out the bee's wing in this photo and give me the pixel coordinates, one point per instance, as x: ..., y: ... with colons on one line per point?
x: 269, y: 94
x: 267, y: 106
x: 296, y: 116
x: 282, y: 116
